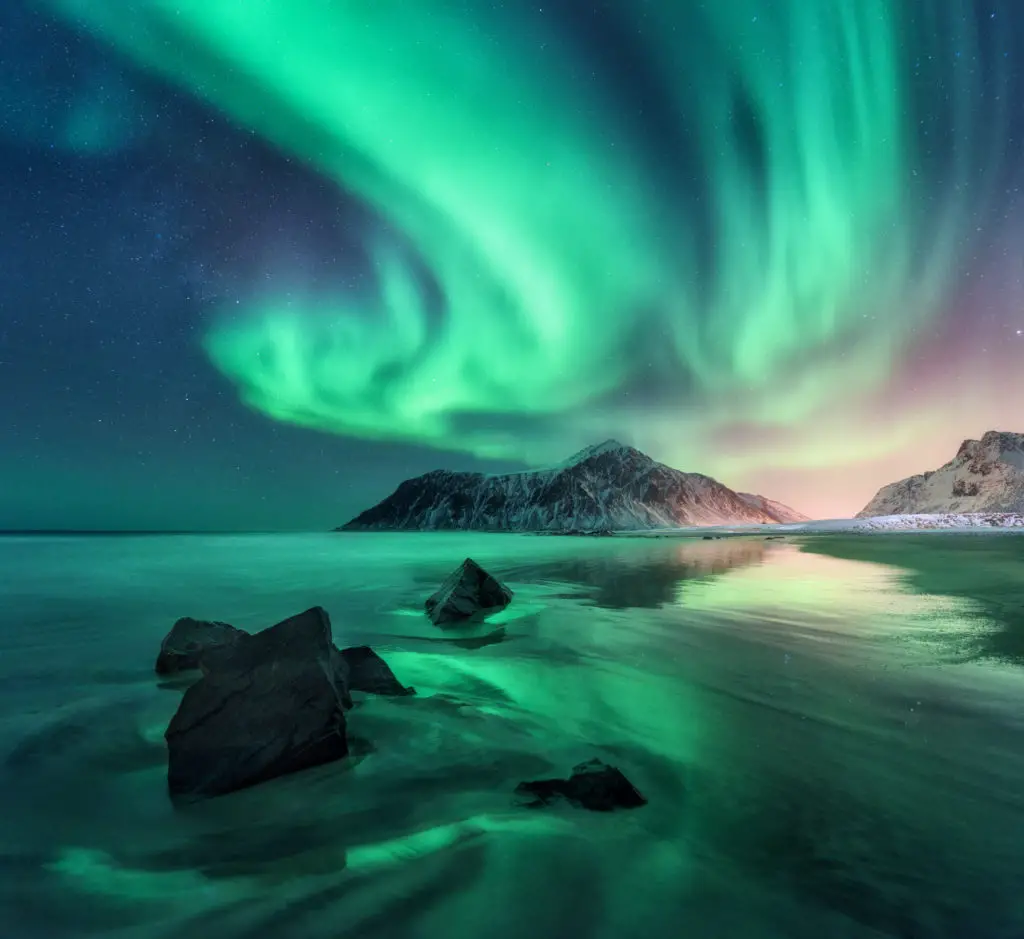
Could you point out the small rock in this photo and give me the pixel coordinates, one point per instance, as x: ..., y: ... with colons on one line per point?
x: 593, y: 785
x: 367, y: 671
x: 189, y: 640
x: 469, y: 591
x: 271, y: 707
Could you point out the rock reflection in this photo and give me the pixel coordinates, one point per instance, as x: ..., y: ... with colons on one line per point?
x: 633, y: 576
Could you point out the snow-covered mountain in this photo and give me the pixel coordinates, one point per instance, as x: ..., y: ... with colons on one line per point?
x: 608, y: 486
x: 985, y: 476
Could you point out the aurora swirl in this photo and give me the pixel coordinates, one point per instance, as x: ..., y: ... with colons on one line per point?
x: 714, y: 224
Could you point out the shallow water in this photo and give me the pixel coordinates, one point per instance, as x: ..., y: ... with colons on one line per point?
x: 830, y: 738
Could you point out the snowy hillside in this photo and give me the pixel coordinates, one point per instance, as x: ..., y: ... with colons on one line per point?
x: 931, y: 522
x: 986, y: 475
x: 608, y: 486
x: 945, y: 521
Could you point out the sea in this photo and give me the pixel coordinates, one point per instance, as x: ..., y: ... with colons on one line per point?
x: 829, y: 731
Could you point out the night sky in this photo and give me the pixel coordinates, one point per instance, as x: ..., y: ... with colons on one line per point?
x: 260, y: 260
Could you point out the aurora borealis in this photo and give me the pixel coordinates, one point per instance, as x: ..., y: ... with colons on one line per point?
x: 775, y: 241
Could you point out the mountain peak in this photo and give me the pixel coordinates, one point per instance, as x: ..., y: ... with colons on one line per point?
x: 998, y: 441
x: 598, y: 449
x: 1004, y: 439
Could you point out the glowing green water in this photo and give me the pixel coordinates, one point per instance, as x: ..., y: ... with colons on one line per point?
x: 822, y: 751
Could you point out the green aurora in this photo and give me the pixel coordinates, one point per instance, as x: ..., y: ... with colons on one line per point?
x: 747, y: 238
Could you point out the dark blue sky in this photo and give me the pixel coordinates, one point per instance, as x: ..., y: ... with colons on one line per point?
x: 133, y: 213
x: 113, y: 251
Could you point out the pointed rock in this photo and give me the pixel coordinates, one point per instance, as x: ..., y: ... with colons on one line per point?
x: 364, y: 670
x: 189, y: 640
x: 467, y: 592
x: 593, y: 785
x: 269, y: 708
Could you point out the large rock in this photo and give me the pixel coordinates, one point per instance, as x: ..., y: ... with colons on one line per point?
x: 593, y: 785
x: 189, y: 640
x: 467, y: 592
x: 364, y: 670
x: 270, y: 707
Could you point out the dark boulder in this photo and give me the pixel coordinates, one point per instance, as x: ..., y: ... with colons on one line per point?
x: 364, y: 670
x: 593, y: 785
x: 467, y: 592
x: 189, y: 640
x: 270, y: 707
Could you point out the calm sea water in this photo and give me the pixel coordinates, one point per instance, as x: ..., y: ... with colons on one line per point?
x: 831, y: 737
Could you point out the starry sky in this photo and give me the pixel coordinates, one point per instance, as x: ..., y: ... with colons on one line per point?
x: 262, y: 260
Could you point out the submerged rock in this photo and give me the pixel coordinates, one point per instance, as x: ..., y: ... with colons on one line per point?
x: 270, y: 707
x: 189, y: 640
x: 476, y: 642
x: 461, y: 641
x: 364, y: 670
x: 584, y: 532
x: 593, y: 785
x: 467, y: 592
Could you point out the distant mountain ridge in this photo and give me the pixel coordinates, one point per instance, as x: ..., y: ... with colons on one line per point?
x: 770, y: 507
x: 606, y: 486
x: 986, y: 475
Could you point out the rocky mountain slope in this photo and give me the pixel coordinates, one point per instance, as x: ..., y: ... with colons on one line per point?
x: 780, y: 512
x: 986, y: 475
x: 609, y: 486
